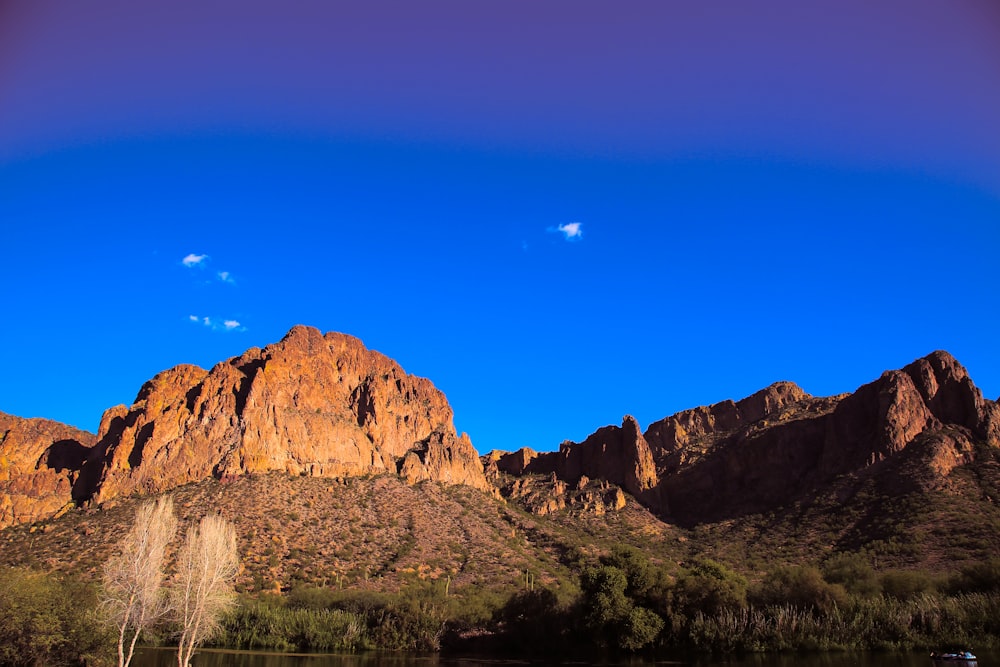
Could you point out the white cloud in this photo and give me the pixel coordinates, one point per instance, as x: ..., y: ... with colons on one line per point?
x: 193, y: 260
x: 226, y: 277
x: 572, y: 230
x: 217, y: 324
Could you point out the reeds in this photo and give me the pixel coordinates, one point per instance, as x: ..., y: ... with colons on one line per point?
x: 923, y: 622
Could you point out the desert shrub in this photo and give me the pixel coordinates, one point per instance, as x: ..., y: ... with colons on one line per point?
x: 802, y: 587
x: 709, y: 587
x: 49, y: 621
x: 311, y: 597
x: 978, y: 578
x: 854, y: 573
x: 612, y: 618
x: 647, y: 584
x: 533, y: 622
x: 906, y: 584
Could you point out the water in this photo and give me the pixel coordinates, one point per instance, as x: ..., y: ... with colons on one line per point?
x: 216, y: 658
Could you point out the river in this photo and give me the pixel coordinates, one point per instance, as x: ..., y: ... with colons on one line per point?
x: 217, y: 658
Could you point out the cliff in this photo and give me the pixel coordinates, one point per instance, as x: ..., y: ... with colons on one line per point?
x: 311, y: 404
x: 781, y: 446
x: 40, y: 462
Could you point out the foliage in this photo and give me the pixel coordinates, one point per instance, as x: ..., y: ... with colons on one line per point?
x: 49, y: 621
x: 854, y: 573
x: 709, y: 587
x: 264, y: 624
x: 802, y: 587
x: 978, y: 578
x: 623, y: 600
x: 905, y: 584
x: 533, y: 621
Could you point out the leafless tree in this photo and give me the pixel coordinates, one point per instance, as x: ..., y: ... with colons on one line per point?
x: 206, y: 568
x: 133, y: 597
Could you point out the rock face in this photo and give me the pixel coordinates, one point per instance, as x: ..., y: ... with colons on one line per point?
x: 325, y: 406
x: 618, y: 455
x: 780, y: 444
x: 40, y: 461
x: 311, y: 404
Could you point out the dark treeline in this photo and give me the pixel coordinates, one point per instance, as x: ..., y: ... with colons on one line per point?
x: 626, y: 604
x: 623, y: 603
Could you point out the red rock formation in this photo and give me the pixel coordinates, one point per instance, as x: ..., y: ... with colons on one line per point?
x: 779, y: 444
x: 40, y: 461
x: 688, y: 428
x: 307, y: 405
x: 619, y: 455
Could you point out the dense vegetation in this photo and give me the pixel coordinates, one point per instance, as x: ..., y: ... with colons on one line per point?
x: 336, y: 565
x: 627, y: 604
x: 51, y: 621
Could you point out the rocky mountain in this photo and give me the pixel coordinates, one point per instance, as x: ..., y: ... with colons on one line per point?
x: 781, y: 445
x: 40, y: 461
x: 910, y: 460
x: 311, y: 404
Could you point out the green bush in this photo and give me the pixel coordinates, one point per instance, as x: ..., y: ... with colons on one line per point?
x: 854, y: 573
x: 49, y: 621
x: 709, y: 587
x: 905, y: 584
x: 802, y: 587
x: 978, y: 578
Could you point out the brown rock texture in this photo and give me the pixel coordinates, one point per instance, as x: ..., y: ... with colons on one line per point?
x: 793, y: 444
x: 311, y: 404
x: 40, y: 461
x: 780, y: 445
x: 619, y: 455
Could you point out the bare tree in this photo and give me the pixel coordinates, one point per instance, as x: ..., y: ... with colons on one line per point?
x: 206, y: 568
x: 133, y: 597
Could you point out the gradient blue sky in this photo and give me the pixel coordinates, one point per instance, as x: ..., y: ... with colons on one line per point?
x: 747, y: 192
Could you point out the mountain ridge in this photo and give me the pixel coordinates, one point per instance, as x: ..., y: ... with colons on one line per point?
x: 323, y: 405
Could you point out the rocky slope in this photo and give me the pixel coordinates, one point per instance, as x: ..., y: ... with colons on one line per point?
x: 316, y: 447
x: 779, y: 446
x: 908, y: 445
x: 311, y: 404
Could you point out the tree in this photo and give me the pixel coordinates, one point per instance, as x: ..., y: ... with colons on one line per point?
x: 854, y: 573
x: 206, y: 567
x: 612, y: 617
x: 133, y: 598
x: 49, y: 620
x: 710, y: 587
x: 801, y: 586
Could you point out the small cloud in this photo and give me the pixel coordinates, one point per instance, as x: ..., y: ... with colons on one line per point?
x: 572, y: 230
x: 217, y: 325
x: 226, y: 277
x: 193, y: 260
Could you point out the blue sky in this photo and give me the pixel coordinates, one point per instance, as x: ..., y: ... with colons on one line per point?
x: 560, y: 215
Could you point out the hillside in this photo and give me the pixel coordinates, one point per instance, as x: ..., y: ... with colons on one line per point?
x: 340, y: 469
